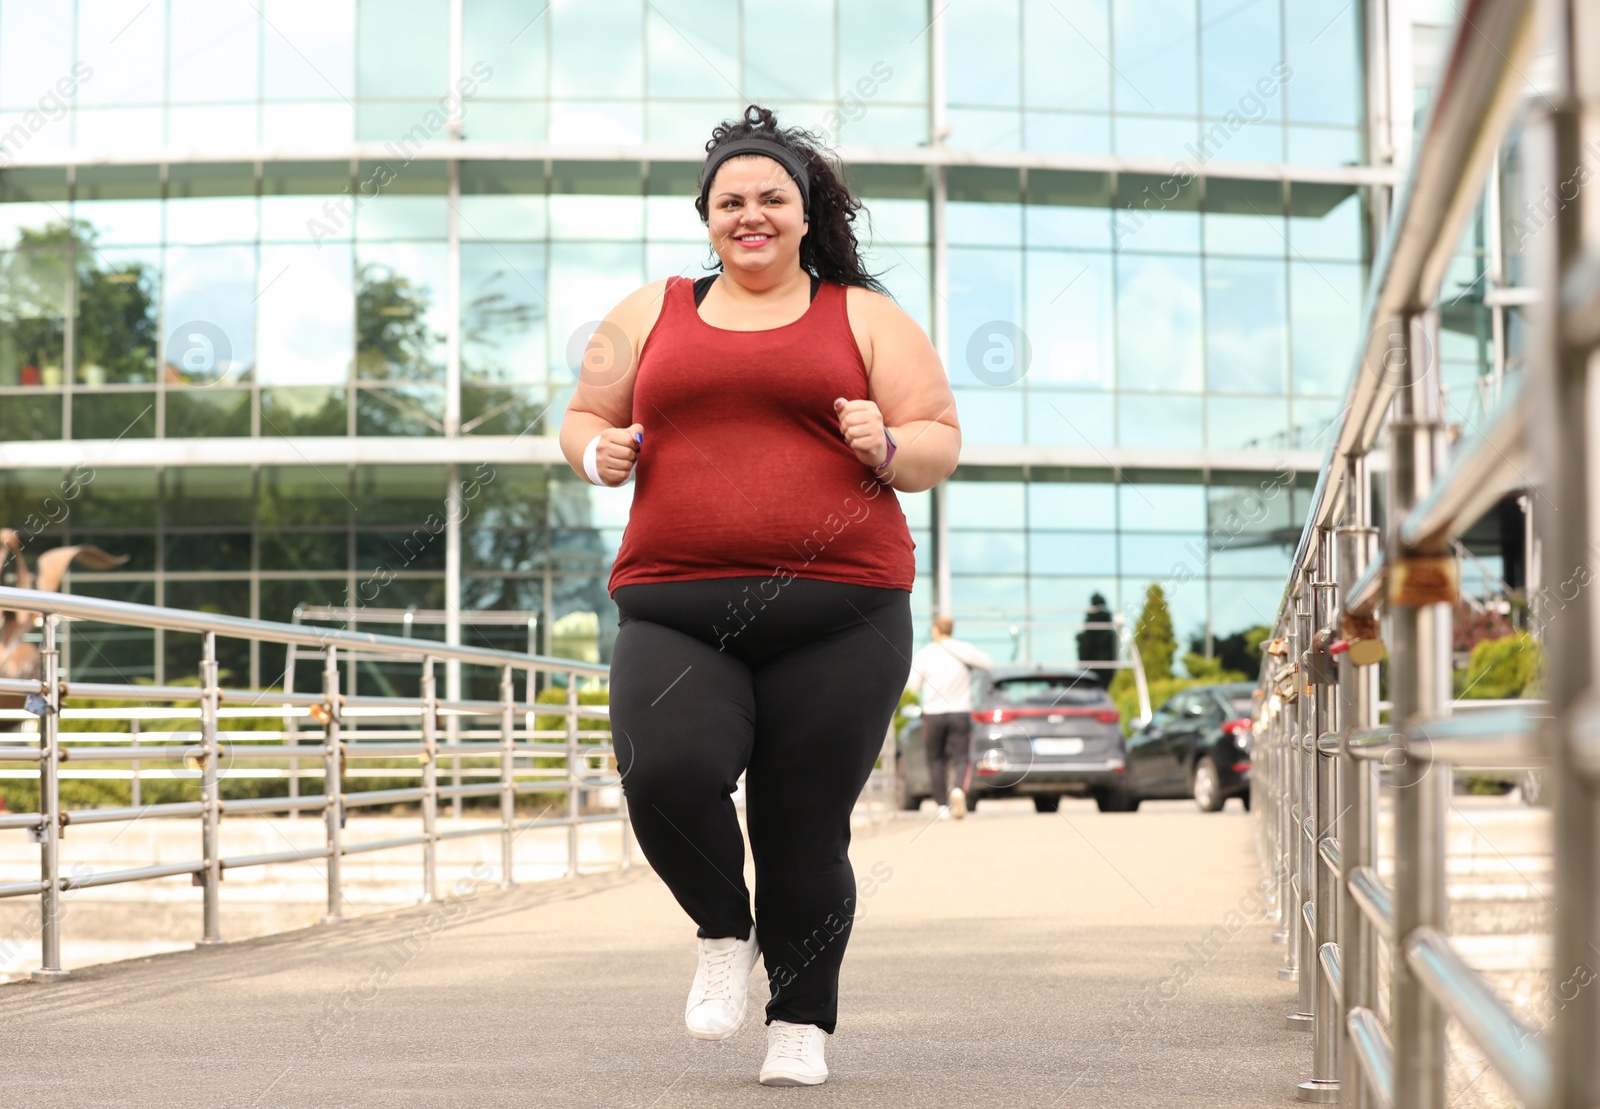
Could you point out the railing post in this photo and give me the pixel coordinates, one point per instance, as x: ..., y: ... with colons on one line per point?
x: 293, y: 722
x: 210, y: 797
x: 430, y: 783
x: 1420, y: 683
x: 333, y: 788
x: 508, y: 782
x: 1358, y: 708
x: 1323, y: 1086
x: 573, y: 797
x: 1289, y: 899
x: 135, y: 793
x: 1561, y: 375
x: 1301, y: 794
x: 50, y: 807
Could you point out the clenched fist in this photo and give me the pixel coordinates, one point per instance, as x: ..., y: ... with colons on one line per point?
x: 619, y: 448
x: 861, y: 424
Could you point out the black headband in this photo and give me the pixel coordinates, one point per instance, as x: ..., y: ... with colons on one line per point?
x: 767, y: 148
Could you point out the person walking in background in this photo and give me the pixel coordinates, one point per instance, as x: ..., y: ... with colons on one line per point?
x: 942, y: 673
x: 1098, y: 642
x: 763, y: 583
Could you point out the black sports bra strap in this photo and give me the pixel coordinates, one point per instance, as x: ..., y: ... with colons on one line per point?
x: 702, y: 286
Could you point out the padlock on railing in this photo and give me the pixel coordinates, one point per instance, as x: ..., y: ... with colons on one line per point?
x: 1320, y: 667
x: 1360, y: 641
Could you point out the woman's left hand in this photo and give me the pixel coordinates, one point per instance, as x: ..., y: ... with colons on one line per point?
x: 861, y: 424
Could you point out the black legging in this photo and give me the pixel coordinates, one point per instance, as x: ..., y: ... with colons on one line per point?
x: 792, y: 682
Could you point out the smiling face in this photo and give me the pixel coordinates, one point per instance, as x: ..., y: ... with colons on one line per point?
x: 755, y: 217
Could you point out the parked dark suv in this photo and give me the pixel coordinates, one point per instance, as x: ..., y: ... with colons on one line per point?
x: 1043, y: 733
x: 1196, y: 745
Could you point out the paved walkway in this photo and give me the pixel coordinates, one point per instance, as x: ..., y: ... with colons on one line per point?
x: 1011, y: 959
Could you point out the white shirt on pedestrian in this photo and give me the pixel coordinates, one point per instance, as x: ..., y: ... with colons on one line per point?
x: 942, y: 673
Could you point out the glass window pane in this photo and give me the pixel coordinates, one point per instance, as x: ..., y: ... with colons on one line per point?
x: 1158, y: 213
x: 207, y: 412
x: 1072, y: 505
x: 408, y: 203
x: 1325, y: 221
x: 1158, y: 323
x: 502, y: 312
x: 1155, y: 556
x: 214, y: 51
x: 983, y: 42
x: 984, y: 208
x: 1156, y: 52
x: 36, y: 38
x: 1147, y: 506
x: 1241, y: 44
x: 986, y: 504
x: 308, y: 50
x: 692, y: 48
x: 1069, y: 318
x: 1324, y: 323
x: 402, y: 48
x: 306, y: 323
x: 400, y: 320
x: 509, y: 37
x: 115, y: 329
x: 113, y: 415
x: 987, y: 552
x: 25, y: 418
x: 121, y: 204
x: 1161, y: 423
x: 290, y: 496
x: 125, y: 46
x: 788, y: 51
x: 1071, y: 419
x: 1072, y: 553
x: 598, y: 49
x: 306, y: 202
x: 1324, y: 50
x: 329, y: 124
x: 1068, y: 209
x: 990, y: 415
x: 586, y: 281
x: 1246, y: 305
x: 886, y: 34
x: 502, y: 200
x: 1066, y: 50
x: 33, y: 303
x: 1247, y: 423
x: 985, y: 289
x: 201, y: 495
x: 209, y: 315
x: 1244, y: 217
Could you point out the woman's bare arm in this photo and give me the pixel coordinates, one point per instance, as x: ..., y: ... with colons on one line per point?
x: 602, y: 404
x: 909, y: 394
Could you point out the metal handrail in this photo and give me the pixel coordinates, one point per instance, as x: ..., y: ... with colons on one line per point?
x: 334, y: 741
x: 1340, y: 586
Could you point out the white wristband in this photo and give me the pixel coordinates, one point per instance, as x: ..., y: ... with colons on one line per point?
x: 590, y: 469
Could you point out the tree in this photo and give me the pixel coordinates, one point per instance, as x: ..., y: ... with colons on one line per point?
x: 1153, y: 634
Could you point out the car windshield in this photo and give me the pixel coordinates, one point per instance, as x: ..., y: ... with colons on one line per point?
x: 1049, y: 691
x: 1242, y: 706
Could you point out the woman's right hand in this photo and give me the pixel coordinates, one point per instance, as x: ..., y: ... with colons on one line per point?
x: 617, y: 452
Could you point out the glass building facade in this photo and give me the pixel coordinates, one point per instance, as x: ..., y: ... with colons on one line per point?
x: 290, y: 293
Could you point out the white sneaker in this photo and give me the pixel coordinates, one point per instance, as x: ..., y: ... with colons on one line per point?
x: 794, y: 1055
x: 944, y: 812
x: 958, y: 803
x: 721, y: 990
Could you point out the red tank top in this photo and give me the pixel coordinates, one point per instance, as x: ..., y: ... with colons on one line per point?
x: 743, y: 472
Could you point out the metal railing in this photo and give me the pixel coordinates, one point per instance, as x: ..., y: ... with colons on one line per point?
x: 1319, y: 747
x: 323, y: 726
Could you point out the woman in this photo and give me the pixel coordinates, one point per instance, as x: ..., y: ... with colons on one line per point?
x: 767, y: 413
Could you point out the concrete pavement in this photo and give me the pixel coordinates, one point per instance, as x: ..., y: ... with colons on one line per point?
x: 1011, y: 959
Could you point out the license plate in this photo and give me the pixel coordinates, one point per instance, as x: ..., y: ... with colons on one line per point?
x: 1058, y: 746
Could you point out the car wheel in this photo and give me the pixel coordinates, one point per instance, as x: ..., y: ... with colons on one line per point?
x: 1245, y: 797
x: 1207, y: 787
x: 972, y: 802
x: 1046, y: 804
x: 902, y: 789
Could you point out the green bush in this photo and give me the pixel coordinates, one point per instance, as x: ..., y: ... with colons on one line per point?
x: 1501, y: 669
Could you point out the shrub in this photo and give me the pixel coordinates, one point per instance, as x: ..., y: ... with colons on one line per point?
x: 1503, y: 668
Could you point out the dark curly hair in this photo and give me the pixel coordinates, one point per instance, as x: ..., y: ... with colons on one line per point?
x: 829, y: 250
